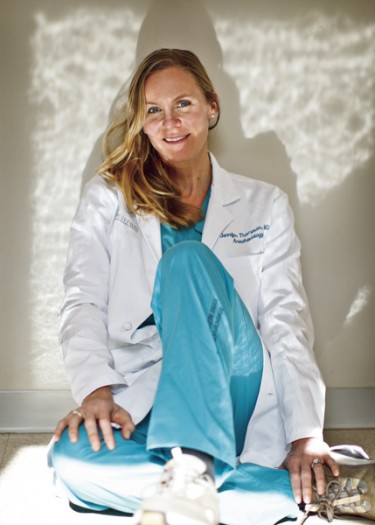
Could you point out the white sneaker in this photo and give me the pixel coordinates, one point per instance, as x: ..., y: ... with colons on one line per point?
x: 185, y: 495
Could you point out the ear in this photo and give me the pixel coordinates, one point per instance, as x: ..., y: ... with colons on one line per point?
x: 213, y: 112
x: 214, y: 106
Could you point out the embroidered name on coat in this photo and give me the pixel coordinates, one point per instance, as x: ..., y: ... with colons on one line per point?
x: 127, y: 222
x: 247, y: 236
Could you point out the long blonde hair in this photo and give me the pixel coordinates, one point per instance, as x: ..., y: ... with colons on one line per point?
x: 132, y: 163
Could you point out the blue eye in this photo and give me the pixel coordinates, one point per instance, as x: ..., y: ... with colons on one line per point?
x: 153, y: 110
x: 184, y: 103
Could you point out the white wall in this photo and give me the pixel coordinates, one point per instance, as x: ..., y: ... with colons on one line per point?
x: 296, y: 80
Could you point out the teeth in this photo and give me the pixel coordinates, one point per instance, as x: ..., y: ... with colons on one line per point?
x: 175, y: 139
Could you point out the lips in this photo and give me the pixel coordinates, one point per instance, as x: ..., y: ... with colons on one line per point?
x: 174, y: 140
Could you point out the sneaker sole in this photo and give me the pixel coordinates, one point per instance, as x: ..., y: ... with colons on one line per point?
x: 152, y: 518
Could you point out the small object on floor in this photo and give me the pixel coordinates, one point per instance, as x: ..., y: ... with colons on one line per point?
x: 185, y: 495
x: 352, y: 493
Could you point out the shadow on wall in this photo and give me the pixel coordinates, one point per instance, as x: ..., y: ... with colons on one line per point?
x: 305, y: 105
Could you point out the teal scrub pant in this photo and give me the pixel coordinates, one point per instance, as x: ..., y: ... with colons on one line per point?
x: 209, y: 384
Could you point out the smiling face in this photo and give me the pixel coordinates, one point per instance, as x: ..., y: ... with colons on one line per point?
x: 177, y: 117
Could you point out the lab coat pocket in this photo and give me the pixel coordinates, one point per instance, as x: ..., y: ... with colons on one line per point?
x: 132, y: 360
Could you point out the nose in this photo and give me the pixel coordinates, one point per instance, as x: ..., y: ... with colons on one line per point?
x: 171, y: 120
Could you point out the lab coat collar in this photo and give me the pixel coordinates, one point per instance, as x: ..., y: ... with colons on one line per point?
x: 219, y: 216
x: 222, y: 188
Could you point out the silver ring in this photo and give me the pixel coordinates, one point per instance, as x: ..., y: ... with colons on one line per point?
x: 76, y: 412
x: 314, y: 462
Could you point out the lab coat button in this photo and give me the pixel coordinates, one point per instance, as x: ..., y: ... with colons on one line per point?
x: 126, y: 327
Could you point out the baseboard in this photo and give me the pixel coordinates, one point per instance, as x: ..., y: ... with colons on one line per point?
x: 39, y: 410
x: 350, y: 408
x: 33, y: 410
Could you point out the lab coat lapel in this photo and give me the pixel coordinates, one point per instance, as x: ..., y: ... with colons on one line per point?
x: 219, y: 215
x: 150, y: 229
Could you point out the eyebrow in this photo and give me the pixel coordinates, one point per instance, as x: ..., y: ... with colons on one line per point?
x: 179, y: 97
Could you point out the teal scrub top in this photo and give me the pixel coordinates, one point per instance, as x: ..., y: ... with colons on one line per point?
x: 170, y: 236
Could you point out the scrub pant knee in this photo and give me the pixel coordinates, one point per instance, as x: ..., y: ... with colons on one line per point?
x: 107, y: 479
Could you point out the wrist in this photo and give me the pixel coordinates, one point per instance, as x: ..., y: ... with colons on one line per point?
x: 102, y: 392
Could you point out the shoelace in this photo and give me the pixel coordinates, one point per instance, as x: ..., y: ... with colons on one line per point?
x: 328, y: 500
x: 178, y: 478
x: 336, y: 495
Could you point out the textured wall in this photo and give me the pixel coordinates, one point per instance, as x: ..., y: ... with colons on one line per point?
x: 296, y: 83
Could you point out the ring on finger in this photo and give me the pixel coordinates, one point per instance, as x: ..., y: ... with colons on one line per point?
x: 316, y: 461
x: 76, y: 412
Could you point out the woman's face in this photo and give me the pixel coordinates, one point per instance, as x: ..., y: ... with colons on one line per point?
x: 177, y: 116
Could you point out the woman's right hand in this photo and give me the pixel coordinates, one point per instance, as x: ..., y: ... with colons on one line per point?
x: 98, y: 410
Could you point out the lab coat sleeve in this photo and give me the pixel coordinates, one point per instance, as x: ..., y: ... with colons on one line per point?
x: 83, y: 317
x: 286, y: 328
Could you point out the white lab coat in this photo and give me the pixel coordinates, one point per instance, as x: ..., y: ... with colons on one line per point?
x: 111, y: 265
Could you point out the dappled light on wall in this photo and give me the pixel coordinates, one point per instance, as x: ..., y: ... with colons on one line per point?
x: 312, y: 80
x: 359, y: 303
x: 79, y: 65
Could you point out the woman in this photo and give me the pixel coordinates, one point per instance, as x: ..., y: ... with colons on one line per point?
x: 185, y: 329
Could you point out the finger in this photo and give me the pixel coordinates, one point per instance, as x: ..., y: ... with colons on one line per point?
x: 295, y: 480
x: 75, y: 421
x: 320, y: 478
x: 123, y: 418
x: 92, y: 433
x: 105, y: 426
x: 306, y: 478
x: 333, y: 466
x: 127, y: 429
x: 60, y: 427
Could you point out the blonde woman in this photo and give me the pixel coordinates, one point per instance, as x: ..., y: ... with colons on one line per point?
x: 185, y: 329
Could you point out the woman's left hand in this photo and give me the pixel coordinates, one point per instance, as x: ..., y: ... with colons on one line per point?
x: 305, y: 465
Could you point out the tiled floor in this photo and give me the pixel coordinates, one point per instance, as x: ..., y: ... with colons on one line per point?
x: 26, y: 495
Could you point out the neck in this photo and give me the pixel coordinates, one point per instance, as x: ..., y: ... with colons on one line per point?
x: 194, y: 180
